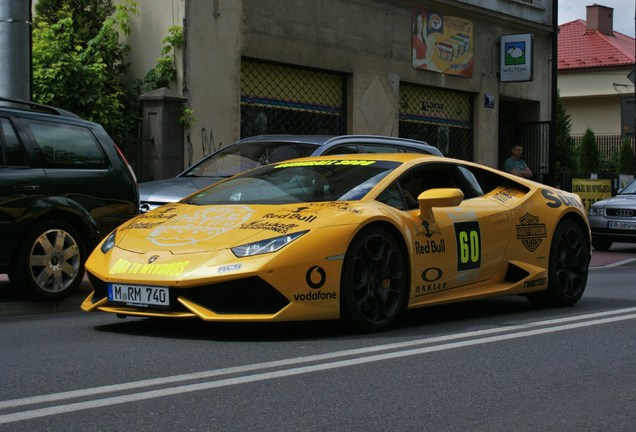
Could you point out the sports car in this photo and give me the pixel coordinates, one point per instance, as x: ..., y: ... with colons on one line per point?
x: 357, y: 238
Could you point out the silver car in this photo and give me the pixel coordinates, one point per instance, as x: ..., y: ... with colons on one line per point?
x: 614, y: 219
x: 263, y: 149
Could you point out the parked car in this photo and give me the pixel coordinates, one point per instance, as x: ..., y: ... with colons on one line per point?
x: 614, y: 219
x: 64, y: 185
x: 330, y: 237
x: 263, y: 149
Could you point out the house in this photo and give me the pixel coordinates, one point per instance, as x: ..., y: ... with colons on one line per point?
x: 594, y: 62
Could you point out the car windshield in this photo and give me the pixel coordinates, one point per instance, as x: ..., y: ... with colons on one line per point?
x: 630, y: 189
x: 299, y: 181
x: 244, y: 156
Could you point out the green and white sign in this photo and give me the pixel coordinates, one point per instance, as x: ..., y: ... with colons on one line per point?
x: 516, y: 58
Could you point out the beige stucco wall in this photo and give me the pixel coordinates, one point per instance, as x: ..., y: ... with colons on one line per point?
x: 593, y: 99
x: 602, y: 114
x: 369, y: 41
x: 148, y: 28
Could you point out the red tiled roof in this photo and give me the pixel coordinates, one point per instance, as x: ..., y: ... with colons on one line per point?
x: 582, y: 49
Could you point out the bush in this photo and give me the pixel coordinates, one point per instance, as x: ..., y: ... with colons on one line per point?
x: 589, y: 155
x: 626, y: 158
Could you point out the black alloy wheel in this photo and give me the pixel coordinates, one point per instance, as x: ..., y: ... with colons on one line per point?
x: 373, y: 286
x: 568, y: 267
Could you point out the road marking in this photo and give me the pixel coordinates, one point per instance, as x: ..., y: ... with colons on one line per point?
x: 614, y: 264
x: 365, y: 355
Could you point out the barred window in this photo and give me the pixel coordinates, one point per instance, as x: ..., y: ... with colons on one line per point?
x: 442, y: 118
x: 279, y: 99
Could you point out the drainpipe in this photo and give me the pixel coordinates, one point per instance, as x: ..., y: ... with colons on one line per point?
x: 552, y: 178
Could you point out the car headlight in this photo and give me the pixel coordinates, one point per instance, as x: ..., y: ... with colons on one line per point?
x: 265, y: 246
x: 109, y: 243
x: 596, y: 211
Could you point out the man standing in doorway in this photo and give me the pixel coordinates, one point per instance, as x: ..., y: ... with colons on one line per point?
x: 515, y: 165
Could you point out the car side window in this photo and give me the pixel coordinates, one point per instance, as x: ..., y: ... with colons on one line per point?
x: 11, y: 150
x: 377, y: 148
x: 403, y: 193
x: 343, y: 149
x: 67, y: 146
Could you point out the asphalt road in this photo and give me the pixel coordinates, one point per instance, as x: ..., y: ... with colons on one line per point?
x: 491, y: 365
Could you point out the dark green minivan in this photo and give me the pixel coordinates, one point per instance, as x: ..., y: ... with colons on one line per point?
x: 64, y: 185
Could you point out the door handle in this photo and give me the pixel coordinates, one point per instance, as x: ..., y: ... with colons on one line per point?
x: 26, y: 188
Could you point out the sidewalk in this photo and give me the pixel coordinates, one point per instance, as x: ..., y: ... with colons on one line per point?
x: 620, y: 253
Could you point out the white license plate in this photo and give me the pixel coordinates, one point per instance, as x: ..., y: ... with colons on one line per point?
x: 621, y: 225
x: 139, y: 295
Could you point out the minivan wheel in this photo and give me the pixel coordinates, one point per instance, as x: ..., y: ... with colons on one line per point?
x: 50, y: 263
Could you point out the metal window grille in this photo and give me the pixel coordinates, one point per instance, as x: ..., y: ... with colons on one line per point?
x: 440, y: 117
x: 535, y: 139
x: 278, y: 99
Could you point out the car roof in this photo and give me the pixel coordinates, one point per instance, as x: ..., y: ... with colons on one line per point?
x: 327, y: 141
x: 22, y: 106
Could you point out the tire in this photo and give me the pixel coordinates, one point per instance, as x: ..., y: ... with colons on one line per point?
x: 50, y: 263
x: 567, y: 268
x: 601, y: 245
x: 373, y: 284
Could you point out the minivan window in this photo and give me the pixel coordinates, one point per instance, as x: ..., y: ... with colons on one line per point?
x: 11, y: 150
x: 67, y: 146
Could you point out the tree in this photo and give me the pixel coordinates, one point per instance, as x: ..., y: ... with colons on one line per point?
x: 589, y: 154
x: 79, y: 63
x: 626, y: 158
x: 565, y: 156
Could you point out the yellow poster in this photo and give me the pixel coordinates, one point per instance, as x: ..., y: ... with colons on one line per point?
x: 592, y: 190
x: 442, y: 43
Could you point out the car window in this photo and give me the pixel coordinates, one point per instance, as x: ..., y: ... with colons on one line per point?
x: 11, y: 150
x: 403, y: 193
x: 630, y: 189
x: 343, y: 149
x: 243, y: 156
x: 373, y: 148
x: 67, y: 146
x: 298, y: 182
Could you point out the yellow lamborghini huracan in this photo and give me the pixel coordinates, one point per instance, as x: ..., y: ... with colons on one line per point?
x: 358, y: 237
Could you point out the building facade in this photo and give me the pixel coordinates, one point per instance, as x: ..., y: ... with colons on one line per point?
x: 355, y: 67
x: 594, y: 62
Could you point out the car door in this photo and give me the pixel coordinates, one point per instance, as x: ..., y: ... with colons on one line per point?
x: 20, y: 184
x: 464, y: 244
x: 79, y: 173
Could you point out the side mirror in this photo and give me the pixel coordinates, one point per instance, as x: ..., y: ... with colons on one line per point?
x: 447, y: 197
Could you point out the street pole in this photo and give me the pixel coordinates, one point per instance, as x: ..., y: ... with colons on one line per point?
x: 15, y: 49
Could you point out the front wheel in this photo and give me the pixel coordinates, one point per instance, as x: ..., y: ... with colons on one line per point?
x: 568, y: 267
x: 50, y: 263
x: 374, y: 279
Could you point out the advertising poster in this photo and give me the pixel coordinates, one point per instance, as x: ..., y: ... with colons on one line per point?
x: 592, y: 190
x: 441, y: 43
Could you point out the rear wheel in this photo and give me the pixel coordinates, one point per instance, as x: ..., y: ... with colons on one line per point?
x: 373, y: 286
x: 568, y: 267
x: 601, y: 245
x: 50, y: 263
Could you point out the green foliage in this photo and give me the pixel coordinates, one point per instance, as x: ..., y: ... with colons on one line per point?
x: 626, y: 158
x: 187, y: 118
x: 79, y: 63
x: 566, y: 160
x: 165, y: 70
x: 610, y: 165
x: 589, y: 155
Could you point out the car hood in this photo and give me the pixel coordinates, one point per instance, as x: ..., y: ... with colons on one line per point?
x: 183, y: 228
x: 618, y: 201
x: 173, y: 189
